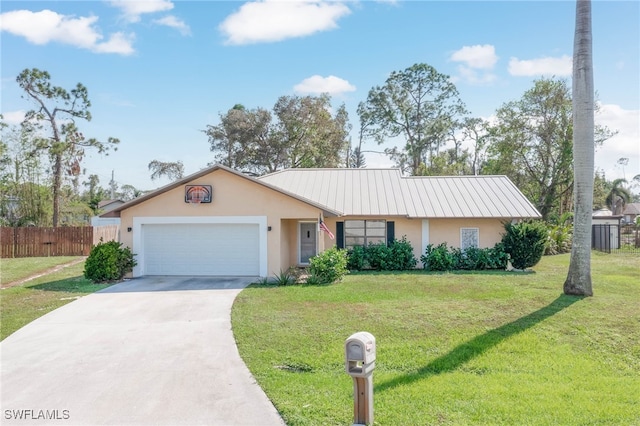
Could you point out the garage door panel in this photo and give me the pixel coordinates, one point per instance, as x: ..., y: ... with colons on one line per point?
x: 201, y: 249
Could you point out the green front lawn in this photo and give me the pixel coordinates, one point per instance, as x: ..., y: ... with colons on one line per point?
x: 23, y: 267
x: 24, y: 303
x: 453, y: 349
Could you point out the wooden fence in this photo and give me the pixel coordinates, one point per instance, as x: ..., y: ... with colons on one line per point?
x: 44, y: 242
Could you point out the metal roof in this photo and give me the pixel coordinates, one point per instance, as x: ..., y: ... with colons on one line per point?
x: 385, y: 192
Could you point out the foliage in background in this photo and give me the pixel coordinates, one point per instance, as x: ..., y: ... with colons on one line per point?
x: 55, y: 114
x: 560, y: 232
x: 328, y: 267
x: 300, y: 132
x: 531, y: 143
x: 418, y: 104
x: 108, y: 262
x: 525, y: 243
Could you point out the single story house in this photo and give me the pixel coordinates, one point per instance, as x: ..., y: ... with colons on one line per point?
x: 631, y: 212
x: 219, y: 221
x: 106, y: 206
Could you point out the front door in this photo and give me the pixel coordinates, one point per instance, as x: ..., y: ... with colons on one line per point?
x: 307, y: 241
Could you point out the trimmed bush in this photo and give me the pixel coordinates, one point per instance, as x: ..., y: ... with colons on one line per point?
x: 356, y: 258
x: 441, y: 258
x: 108, y: 262
x: 438, y: 258
x: 377, y: 256
x: 401, y: 257
x: 328, y: 267
x: 525, y: 243
x: 398, y: 256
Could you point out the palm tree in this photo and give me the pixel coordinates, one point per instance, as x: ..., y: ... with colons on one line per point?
x: 618, y: 197
x: 578, y: 280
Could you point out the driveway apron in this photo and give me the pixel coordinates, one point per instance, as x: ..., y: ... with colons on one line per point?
x: 149, y: 351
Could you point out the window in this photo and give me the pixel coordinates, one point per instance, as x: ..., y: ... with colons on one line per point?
x: 468, y: 238
x: 364, y: 232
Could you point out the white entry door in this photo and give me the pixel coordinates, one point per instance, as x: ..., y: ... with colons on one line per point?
x: 308, y: 247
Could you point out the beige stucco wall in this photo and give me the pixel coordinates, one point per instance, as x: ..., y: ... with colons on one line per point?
x: 232, y: 196
x: 448, y: 230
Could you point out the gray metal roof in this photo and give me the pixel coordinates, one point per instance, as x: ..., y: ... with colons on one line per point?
x: 385, y: 192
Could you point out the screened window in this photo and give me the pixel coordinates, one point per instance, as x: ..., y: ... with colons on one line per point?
x: 468, y: 238
x: 364, y: 232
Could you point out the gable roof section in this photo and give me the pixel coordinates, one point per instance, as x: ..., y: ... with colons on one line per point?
x: 632, y: 208
x: 385, y: 192
x: 184, y: 181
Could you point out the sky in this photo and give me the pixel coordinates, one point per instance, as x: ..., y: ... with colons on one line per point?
x: 159, y: 71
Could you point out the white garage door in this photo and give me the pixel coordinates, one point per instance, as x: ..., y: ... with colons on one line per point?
x: 201, y: 249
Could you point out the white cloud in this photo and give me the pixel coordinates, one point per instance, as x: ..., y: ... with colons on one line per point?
x: 133, y: 9
x: 478, y: 56
x: 318, y: 84
x: 623, y: 145
x: 13, y: 117
x: 473, y: 76
x: 275, y: 20
x: 561, y: 66
x: 46, y: 26
x: 173, y: 22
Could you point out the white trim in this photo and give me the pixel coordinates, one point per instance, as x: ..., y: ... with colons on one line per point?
x: 425, y: 235
x: 300, y: 222
x: 138, y: 245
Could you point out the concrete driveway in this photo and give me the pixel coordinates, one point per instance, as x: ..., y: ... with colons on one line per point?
x: 150, y: 351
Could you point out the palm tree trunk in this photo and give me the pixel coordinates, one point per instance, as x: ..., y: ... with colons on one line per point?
x: 578, y: 280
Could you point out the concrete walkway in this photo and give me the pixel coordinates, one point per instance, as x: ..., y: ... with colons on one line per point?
x: 150, y: 351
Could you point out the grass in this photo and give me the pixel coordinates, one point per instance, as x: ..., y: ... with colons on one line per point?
x: 24, y: 303
x: 23, y: 267
x: 453, y: 349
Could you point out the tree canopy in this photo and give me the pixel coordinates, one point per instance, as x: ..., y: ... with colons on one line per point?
x: 300, y: 131
x: 54, y: 121
x: 531, y: 142
x: 419, y: 105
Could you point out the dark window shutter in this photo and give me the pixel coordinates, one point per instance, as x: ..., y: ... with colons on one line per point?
x: 391, y: 232
x: 340, y: 234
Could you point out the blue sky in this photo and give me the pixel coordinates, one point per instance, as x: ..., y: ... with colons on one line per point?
x: 159, y: 71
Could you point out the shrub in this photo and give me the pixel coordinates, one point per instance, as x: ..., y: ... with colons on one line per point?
x: 401, y: 257
x: 560, y: 234
x: 284, y: 278
x: 438, y: 258
x: 441, y: 258
x: 108, y: 262
x: 356, y: 258
x: 328, y: 267
x: 525, y: 243
x: 377, y: 256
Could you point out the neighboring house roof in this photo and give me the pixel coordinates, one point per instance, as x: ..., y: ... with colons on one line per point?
x: 386, y: 192
x: 603, y: 212
x: 109, y: 204
x: 632, y: 209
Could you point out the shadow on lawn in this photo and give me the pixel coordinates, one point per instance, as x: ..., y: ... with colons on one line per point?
x: 77, y: 284
x: 480, y: 344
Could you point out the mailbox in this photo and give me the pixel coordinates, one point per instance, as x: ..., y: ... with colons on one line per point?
x: 360, y: 354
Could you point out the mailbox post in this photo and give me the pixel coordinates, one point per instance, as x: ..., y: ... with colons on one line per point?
x: 360, y: 356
